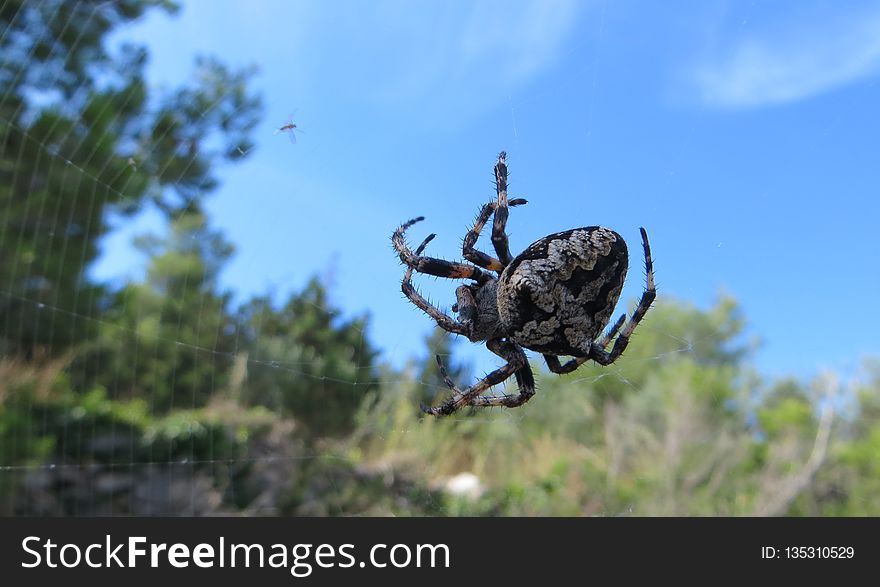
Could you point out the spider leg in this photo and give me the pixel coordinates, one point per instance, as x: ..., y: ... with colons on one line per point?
x: 568, y: 367
x: 470, y: 239
x: 443, y: 320
x: 524, y: 379
x: 598, y: 353
x: 465, y: 305
x: 499, y: 237
x: 431, y: 265
x: 516, y: 360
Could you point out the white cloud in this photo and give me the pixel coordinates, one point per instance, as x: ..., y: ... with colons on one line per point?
x: 434, y: 63
x: 794, y: 64
x: 518, y: 39
x: 456, y: 56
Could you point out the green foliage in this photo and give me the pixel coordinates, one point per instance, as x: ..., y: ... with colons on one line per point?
x: 48, y: 429
x: 679, y: 426
x: 77, y: 426
x: 338, y: 487
x: 80, y: 137
x: 849, y: 485
x: 306, y: 361
x: 169, y: 340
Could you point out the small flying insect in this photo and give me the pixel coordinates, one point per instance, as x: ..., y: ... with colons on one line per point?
x: 291, y: 129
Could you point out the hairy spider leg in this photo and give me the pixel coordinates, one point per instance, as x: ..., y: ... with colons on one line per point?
x: 470, y: 239
x: 525, y: 380
x: 499, y: 237
x: 517, y: 364
x: 553, y: 361
x: 443, y: 320
x: 431, y: 266
x: 597, y: 352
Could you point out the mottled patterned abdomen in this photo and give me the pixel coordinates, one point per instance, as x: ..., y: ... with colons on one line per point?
x: 557, y: 296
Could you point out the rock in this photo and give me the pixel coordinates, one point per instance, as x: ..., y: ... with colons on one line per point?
x: 465, y: 485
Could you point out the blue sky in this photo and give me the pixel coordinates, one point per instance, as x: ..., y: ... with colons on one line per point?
x: 743, y: 135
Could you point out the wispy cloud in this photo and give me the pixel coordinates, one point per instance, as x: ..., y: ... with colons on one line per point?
x: 449, y: 56
x: 518, y: 39
x: 468, y: 49
x: 791, y: 65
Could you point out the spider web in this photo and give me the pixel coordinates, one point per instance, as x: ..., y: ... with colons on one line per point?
x: 392, y: 460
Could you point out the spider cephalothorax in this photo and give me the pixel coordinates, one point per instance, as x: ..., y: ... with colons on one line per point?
x: 555, y: 298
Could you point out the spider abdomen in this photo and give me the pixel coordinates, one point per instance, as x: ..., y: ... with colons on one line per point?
x: 557, y: 296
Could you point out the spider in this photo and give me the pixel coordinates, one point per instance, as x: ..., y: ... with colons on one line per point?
x: 554, y: 298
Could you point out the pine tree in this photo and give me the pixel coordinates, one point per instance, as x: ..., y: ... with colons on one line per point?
x: 81, y: 137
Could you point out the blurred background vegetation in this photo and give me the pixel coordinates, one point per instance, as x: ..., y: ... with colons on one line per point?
x: 159, y: 397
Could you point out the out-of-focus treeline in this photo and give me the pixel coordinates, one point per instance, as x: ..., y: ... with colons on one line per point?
x: 161, y: 396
